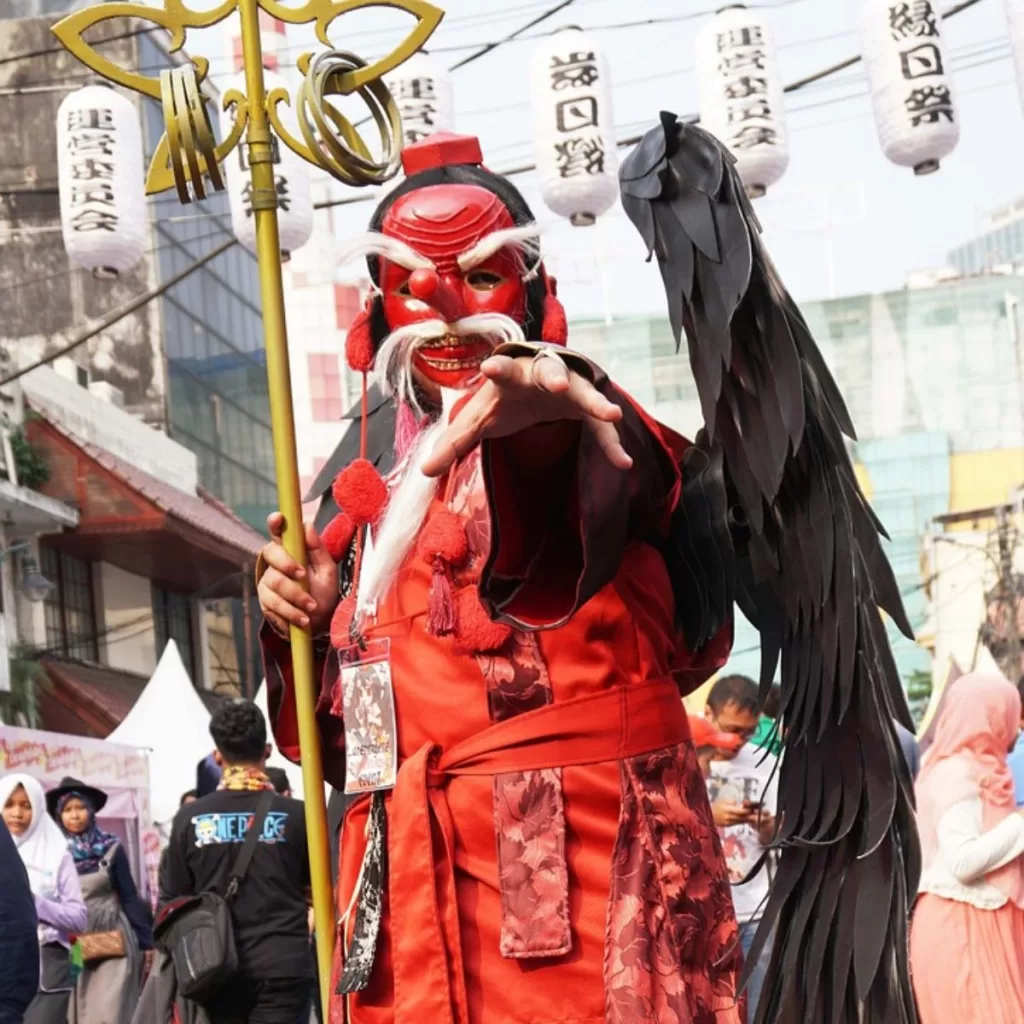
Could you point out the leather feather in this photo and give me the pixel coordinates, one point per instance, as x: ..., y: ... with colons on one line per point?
x: 804, y: 561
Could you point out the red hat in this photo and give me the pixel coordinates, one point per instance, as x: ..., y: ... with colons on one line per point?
x: 706, y: 735
x: 442, y: 149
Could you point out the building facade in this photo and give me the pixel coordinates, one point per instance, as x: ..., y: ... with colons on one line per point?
x: 189, y: 364
x: 141, y: 556
x: 1000, y: 244
x: 933, y: 379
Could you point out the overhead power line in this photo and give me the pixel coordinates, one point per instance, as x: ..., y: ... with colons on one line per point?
x: 632, y: 140
x: 146, y: 297
x: 124, y: 310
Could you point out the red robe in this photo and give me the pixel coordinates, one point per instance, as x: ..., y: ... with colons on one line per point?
x: 563, y: 866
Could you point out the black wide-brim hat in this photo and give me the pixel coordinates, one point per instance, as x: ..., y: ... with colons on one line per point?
x: 67, y: 785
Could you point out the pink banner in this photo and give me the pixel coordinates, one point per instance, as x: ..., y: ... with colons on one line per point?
x: 50, y: 756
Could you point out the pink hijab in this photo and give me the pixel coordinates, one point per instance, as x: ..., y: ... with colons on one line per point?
x: 967, y: 759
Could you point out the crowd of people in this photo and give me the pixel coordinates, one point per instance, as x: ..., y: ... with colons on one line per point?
x: 79, y: 945
x: 967, y: 925
x: 67, y: 882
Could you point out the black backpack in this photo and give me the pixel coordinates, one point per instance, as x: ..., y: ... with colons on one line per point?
x: 196, y: 932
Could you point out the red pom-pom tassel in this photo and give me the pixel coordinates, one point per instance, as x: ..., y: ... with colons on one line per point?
x: 443, y: 536
x: 337, y: 536
x: 359, y: 343
x: 360, y: 491
x: 440, y: 606
x: 475, y: 631
x: 555, y: 328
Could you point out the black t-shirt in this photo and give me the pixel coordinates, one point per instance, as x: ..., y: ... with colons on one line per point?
x: 270, y: 910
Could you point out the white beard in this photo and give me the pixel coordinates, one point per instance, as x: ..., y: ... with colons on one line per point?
x: 408, y: 502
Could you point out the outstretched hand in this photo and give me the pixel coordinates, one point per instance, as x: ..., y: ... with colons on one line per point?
x: 524, y: 392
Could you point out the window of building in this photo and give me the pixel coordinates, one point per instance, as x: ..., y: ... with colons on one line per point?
x: 172, y: 620
x: 70, y: 608
x: 347, y: 305
x: 325, y: 387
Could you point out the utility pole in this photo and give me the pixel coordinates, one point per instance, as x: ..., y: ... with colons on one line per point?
x: 1009, y: 593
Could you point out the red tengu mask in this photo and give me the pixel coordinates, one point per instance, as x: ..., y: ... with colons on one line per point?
x: 446, y: 224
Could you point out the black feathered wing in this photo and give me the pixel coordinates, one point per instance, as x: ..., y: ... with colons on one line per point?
x: 772, y: 516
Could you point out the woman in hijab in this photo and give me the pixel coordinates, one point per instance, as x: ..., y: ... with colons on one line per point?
x: 108, y: 987
x: 58, y: 896
x: 967, y: 934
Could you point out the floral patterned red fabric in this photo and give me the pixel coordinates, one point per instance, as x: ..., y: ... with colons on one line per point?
x: 530, y: 827
x: 670, y: 904
x: 529, y: 816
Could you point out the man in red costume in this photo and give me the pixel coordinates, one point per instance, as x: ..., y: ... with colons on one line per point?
x: 515, y: 575
x: 550, y: 849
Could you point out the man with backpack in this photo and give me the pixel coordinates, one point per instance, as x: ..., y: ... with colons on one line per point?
x: 267, y: 903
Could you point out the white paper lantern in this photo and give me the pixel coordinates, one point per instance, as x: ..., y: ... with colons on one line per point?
x: 741, y: 97
x: 1015, y: 19
x: 911, y: 89
x: 423, y: 92
x: 101, y: 180
x: 574, y: 135
x: 291, y: 177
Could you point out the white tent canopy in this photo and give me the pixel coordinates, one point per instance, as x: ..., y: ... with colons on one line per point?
x: 173, y: 724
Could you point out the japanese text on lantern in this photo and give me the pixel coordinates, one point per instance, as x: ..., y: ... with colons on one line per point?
x: 743, y: 66
x: 418, y: 106
x: 579, y: 148
x: 915, y: 27
x: 92, y: 142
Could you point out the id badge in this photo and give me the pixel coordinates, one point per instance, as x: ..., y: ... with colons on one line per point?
x: 367, y: 700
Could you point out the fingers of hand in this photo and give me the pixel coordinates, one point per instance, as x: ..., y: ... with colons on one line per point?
x: 590, y: 401
x: 550, y: 374
x: 443, y: 457
x: 462, y: 434
x: 607, y: 436
x: 503, y: 370
x: 285, y: 598
x: 276, y: 557
x: 275, y: 525
x: 318, y: 555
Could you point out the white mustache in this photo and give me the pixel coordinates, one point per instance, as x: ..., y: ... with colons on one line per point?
x: 393, y: 364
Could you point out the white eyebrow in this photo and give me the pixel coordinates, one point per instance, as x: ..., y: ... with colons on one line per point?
x: 526, y: 239
x: 373, y: 243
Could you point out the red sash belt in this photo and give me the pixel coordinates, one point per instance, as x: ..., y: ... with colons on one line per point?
x: 624, y: 722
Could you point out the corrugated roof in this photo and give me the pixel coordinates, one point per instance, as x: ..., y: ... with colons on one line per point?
x: 92, y: 700
x: 200, y: 511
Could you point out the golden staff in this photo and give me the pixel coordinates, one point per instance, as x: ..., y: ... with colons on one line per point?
x: 186, y: 155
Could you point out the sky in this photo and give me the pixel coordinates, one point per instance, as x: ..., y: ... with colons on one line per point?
x: 885, y: 221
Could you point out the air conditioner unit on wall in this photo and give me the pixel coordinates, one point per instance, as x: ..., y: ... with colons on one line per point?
x: 67, y: 368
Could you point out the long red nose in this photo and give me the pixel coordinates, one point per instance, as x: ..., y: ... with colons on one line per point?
x: 428, y: 287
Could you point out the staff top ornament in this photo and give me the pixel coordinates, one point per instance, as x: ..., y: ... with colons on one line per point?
x: 188, y: 153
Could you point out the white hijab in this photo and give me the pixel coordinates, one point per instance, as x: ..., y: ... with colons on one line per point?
x: 42, y: 845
